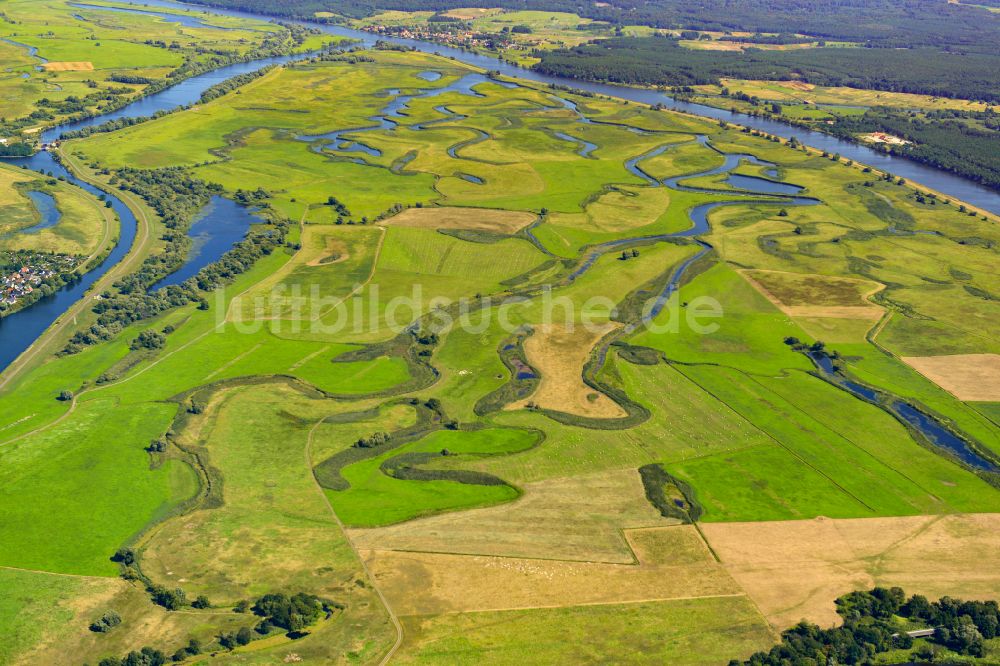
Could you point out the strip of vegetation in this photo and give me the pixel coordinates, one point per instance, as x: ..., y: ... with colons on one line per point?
x: 176, y: 198
x: 411, y: 466
x: 430, y: 417
x: 523, y: 381
x: 671, y: 496
x: 885, y: 23
x: 936, y: 433
x: 882, y: 620
x: 665, y: 62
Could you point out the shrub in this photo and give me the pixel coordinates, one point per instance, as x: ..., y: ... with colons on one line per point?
x: 106, y: 622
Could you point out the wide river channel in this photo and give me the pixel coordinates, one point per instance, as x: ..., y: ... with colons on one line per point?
x: 20, y: 330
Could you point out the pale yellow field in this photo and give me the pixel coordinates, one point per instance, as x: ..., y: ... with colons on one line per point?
x: 432, y: 583
x: 973, y: 377
x: 817, y: 296
x: 546, y: 522
x: 797, y: 91
x: 483, y: 219
x: 81, y: 66
x: 795, y: 569
x: 560, y: 353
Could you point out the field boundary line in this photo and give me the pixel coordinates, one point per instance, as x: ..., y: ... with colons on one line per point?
x: 42, y: 572
x: 298, y: 364
x: 781, y: 444
x: 853, y: 443
x: 732, y: 595
x: 357, y: 289
x: 234, y: 361
x: 364, y: 566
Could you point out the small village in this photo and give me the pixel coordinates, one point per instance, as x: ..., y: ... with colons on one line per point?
x: 468, y: 39
x: 35, y: 269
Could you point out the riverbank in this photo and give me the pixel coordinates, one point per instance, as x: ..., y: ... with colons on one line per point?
x: 55, y: 335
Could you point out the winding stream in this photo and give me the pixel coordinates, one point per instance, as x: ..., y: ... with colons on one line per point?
x: 932, y: 429
x: 19, y: 330
x: 48, y: 211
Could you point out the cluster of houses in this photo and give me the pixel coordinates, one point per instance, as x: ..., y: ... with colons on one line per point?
x: 23, y: 282
x: 468, y: 39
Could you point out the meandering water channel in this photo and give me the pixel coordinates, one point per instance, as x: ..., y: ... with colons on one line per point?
x: 19, y: 330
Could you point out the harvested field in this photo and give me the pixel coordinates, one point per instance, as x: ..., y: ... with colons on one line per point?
x: 546, y: 523
x: 482, y: 219
x: 795, y: 569
x: 469, y: 13
x: 335, y: 252
x: 82, y: 66
x: 973, y: 377
x: 810, y: 295
x: 559, y: 353
x: 432, y: 583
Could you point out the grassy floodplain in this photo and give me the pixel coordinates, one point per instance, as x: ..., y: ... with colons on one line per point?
x: 305, y: 439
x: 84, y: 229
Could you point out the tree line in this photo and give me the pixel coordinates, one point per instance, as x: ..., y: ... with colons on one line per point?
x: 884, y: 23
x: 877, y: 621
x: 663, y: 61
x: 176, y: 197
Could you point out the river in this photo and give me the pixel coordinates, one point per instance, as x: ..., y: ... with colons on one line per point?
x: 18, y: 331
x: 948, y: 184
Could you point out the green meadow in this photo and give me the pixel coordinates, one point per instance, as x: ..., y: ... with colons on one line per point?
x: 264, y: 410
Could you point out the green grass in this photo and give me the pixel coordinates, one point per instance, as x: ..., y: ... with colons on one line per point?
x: 697, y: 631
x: 377, y: 499
x: 75, y: 493
x: 29, y: 605
x: 734, y: 412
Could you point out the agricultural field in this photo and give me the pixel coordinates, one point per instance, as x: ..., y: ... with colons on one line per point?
x: 512, y: 34
x: 510, y: 374
x: 62, y: 60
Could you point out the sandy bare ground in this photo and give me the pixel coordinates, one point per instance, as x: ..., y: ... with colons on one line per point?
x: 432, y: 583
x: 807, y: 295
x: 483, y: 219
x: 559, y: 353
x: 795, y: 569
x: 973, y: 377
x: 83, y: 66
x: 547, y: 522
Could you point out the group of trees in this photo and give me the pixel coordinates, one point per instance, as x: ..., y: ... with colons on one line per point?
x: 373, y: 440
x: 963, y: 142
x: 663, y: 61
x: 277, y: 611
x: 885, y: 23
x: 876, y: 621
x: 176, y: 198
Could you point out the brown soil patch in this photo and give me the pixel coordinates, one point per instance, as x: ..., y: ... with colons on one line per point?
x: 336, y: 252
x: 432, y: 583
x: 546, y: 522
x: 795, y: 569
x: 483, y: 219
x: 811, y: 295
x: 798, y: 85
x: 559, y: 353
x: 468, y: 13
x: 715, y: 45
x: 69, y: 66
x: 973, y: 377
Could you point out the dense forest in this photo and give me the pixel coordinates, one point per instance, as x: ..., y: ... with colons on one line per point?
x: 966, y: 143
x: 663, y: 61
x: 888, y: 23
x: 877, y: 621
